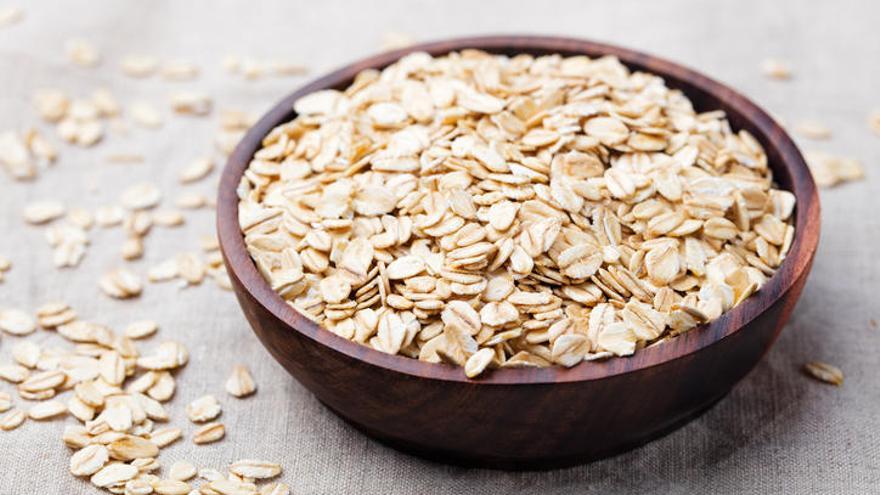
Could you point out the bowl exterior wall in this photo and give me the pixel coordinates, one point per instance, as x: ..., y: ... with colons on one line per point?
x: 519, y: 426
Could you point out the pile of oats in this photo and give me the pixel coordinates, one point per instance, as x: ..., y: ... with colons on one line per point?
x: 490, y: 211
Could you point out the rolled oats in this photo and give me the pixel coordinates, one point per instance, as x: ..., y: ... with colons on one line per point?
x: 196, y: 170
x: 26, y: 353
x: 82, y: 52
x: 12, y: 420
x: 182, y: 471
x: 10, y: 15
x: 40, y: 212
x: 812, y: 129
x: 140, y: 66
x: 88, y: 460
x: 131, y: 447
x: 874, y: 122
x: 191, y: 103
x: 168, y: 218
x: 179, y: 70
x: 112, y: 474
x: 824, y: 372
x: 141, y: 329
x: 171, y: 487
x: 257, y: 469
x: 140, y: 196
x: 146, y: 115
x: 275, y: 489
x: 203, y: 409
x: 545, y: 210
x: 14, y: 373
x: 393, y: 40
x: 121, y: 284
x: 16, y: 157
x: 830, y: 170
x: 240, y: 383
x: 16, y: 322
x: 230, y: 487
x: 46, y: 410
x: 776, y: 69
x: 165, y: 436
x: 209, y: 433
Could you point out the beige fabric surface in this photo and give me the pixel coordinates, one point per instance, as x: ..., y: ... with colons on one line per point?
x: 777, y: 432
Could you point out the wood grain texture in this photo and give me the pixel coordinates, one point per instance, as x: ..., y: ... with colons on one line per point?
x: 530, y: 418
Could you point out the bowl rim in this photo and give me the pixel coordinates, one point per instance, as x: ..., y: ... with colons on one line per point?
x: 771, y: 135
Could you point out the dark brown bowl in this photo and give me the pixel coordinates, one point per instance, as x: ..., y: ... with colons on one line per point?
x: 529, y: 418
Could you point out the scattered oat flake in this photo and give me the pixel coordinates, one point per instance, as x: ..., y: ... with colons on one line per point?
x: 165, y: 436
x: 109, y: 216
x: 51, y: 104
x: 812, y: 129
x: 10, y: 15
x: 240, y: 383
x: 113, y: 474
x: 231, y: 63
x: 203, y: 409
x: 191, y: 200
x: 82, y: 52
x: 275, y: 489
x: 16, y: 322
x: 105, y: 103
x: 47, y: 409
x: 12, y: 419
x: 393, y: 40
x: 164, y: 271
x: 178, y: 70
x: 191, y: 103
x: 26, y: 353
x: 141, y: 329
x: 121, y: 284
x: 824, y: 372
x: 140, y: 196
x: 124, y: 158
x: 40, y: 212
x: 829, y: 170
x: 168, y: 218
x: 282, y: 68
x: 88, y: 460
x: 13, y: 373
x: 776, y: 69
x: 196, y: 170
x: 16, y: 157
x: 230, y: 486
x: 182, y: 471
x: 139, y: 66
x: 209, y: 433
x: 874, y: 122
x: 146, y: 115
x: 253, y: 468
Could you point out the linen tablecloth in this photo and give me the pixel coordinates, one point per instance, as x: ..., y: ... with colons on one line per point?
x: 777, y: 432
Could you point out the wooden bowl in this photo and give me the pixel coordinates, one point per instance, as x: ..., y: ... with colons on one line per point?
x: 529, y: 418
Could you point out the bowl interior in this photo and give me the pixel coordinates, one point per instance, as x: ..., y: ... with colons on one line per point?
x: 789, y: 169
